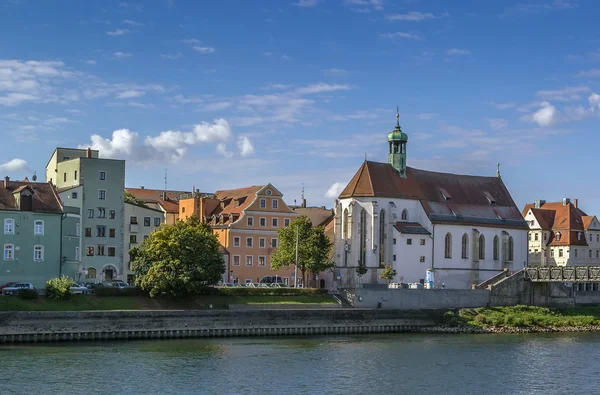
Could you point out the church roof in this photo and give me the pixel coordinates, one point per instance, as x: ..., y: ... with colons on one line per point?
x: 445, y: 197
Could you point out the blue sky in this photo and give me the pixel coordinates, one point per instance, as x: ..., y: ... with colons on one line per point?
x: 232, y: 93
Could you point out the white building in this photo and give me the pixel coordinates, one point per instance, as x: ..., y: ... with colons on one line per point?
x: 462, y: 229
x: 561, y: 234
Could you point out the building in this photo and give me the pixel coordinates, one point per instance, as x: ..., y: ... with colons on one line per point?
x: 166, y: 201
x: 140, y: 223
x: 95, y: 186
x: 246, y: 222
x: 451, y: 230
x: 40, y: 237
x: 561, y: 234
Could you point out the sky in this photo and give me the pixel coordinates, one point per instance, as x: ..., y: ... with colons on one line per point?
x: 226, y: 94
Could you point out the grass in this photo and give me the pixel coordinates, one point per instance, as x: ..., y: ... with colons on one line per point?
x: 85, y: 302
x: 525, y: 316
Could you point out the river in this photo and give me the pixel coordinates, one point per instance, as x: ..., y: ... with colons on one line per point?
x: 362, y: 364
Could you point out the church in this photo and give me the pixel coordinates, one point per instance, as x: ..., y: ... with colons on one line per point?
x: 438, y: 229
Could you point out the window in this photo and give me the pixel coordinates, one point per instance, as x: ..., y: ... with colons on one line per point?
x: 91, y: 273
x: 100, y: 231
x: 274, y: 203
x: 236, y: 241
x: 274, y: 243
x: 38, y: 253
x: 275, y: 222
x: 111, y: 232
x: 511, y: 249
x: 557, y: 236
x: 133, y: 220
x: 536, y: 236
x: 262, y: 261
x: 250, y: 221
x: 65, y: 177
x: 77, y: 229
x: 102, y: 175
x: 101, y: 194
x: 286, y: 222
x: 394, y: 258
x: 236, y: 203
x: 448, y: 246
x: 404, y: 216
x: 183, y: 209
x: 73, y: 195
x: 394, y: 241
x: 589, y: 253
x: 481, y: 247
x: 422, y: 259
x: 9, y: 226
x: 236, y: 260
x: 88, y: 232
x: 100, y: 250
x: 597, y: 254
x: 156, y: 221
x: 38, y: 228
x: 529, y: 236
x: 77, y: 257
x: 75, y: 175
x: 112, y: 251
x: 90, y: 213
x: 496, y: 248
x: 262, y: 242
x: 269, y: 192
x: 249, y: 259
x: 9, y: 252
x: 590, y: 237
x: 147, y: 221
x: 66, y: 158
x: 133, y: 239
x: 111, y: 214
x: 552, y: 253
x: 263, y: 203
x: 465, y: 247
x: 263, y: 222
x: 409, y: 241
x: 545, y: 236
x: 422, y: 242
x: 576, y: 252
x: 249, y: 242
x: 560, y: 252
x: 598, y: 237
x: 89, y: 250
x: 101, y: 212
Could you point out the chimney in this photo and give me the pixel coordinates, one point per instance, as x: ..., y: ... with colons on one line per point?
x: 566, y: 201
x: 303, y: 203
x: 163, y: 195
x: 539, y: 203
x: 576, y: 203
x: 6, y: 180
x: 88, y: 153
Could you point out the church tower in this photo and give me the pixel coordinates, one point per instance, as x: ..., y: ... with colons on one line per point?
x: 398, y: 140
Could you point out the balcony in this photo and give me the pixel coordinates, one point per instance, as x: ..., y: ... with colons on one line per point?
x: 134, y: 228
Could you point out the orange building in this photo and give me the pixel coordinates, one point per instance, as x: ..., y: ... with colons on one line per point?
x: 246, y: 221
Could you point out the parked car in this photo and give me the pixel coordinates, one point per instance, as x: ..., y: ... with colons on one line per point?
x: 8, y: 284
x: 271, y: 280
x: 16, y: 287
x: 116, y: 284
x: 80, y: 289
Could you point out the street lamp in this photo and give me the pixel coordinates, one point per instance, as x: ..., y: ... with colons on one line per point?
x: 296, y: 265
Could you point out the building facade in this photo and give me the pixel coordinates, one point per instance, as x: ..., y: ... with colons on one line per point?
x: 561, y: 234
x: 95, y: 186
x: 439, y: 229
x: 167, y: 201
x: 246, y: 222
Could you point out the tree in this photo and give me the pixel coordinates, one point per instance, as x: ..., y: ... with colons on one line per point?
x: 361, y: 270
x: 388, y: 273
x: 313, y: 248
x: 129, y: 198
x: 179, y: 260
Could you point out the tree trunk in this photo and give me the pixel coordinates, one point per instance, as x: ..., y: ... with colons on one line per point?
x: 304, y: 278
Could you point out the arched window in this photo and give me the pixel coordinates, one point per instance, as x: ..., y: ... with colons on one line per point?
x: 345, y: 225
x: 91, y: 273
x: 404, y: 215
x: 496, y: 248
x: 38, y: 228
x: 448, y: 246
x: 465, y: 246
x: 9, y: 252
x: 511, y: 249
x: 363, y: 237
x: 382, y: 237
x: 481, y: 247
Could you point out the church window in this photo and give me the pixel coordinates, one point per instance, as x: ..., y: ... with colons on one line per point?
x: 511, y: 249
x: 465, y: 247
x: 481, y: 247
x: 382, y: 237
x: 363, y: 237
x: 346, y: 224
x: 448, y: 246
x: 496, y: 248
x: 404, y: 215
x: 409, y: 241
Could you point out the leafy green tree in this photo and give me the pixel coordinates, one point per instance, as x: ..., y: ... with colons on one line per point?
x: 313, y: 247
x: 129, y: 198
x: 361, y: 270
x: 179, y: 260
x: 58, y: 288
x: 388, y: 273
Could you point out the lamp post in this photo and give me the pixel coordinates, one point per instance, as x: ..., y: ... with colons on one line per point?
x: 296, y: 265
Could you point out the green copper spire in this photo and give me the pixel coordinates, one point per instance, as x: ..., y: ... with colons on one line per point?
x: 398, y: 139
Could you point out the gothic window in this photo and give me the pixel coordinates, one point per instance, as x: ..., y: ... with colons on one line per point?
x: 511, y: 249
x: 496, y: 248
x: 346, y: 224
x: 363, y: 236
x: 465, y: 247
x: 481, y: 247
x: 382, y: 237
x: 404, y: 216
x: 448, y: 246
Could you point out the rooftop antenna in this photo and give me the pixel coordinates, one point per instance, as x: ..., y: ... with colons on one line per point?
x: 302, y: 191
x: 165, y: 180
x: 498, y: 171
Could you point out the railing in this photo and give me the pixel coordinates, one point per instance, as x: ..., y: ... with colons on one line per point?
x: 563, y: 274
x: 492, y: 280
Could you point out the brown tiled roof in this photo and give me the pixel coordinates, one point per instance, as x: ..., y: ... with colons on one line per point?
x: 45, y: 197
x: 411, y: 228
x: 566, y: 219
x: 467, y: 198
x: 170, y: 204
x: 544, y: 217
x: 244, y: 196
x: 588, y: 220
x: 317, y: 215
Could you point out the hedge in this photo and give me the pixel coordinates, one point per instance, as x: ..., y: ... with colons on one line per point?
x: 27, y: 294
x: 115, y: 291
x: 264, y: 291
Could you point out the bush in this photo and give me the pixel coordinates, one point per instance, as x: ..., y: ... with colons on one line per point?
x: 27, y: 294
x: 114, y: 291
x: 264, y: 291
x: 58, y: 288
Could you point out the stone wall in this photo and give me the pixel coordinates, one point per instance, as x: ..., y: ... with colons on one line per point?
x: 417, y: 299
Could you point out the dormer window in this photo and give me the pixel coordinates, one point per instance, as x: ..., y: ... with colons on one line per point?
x: 579, y: 236
x: 447, y: 197
x: 236, y: 203
x: 404, y: 215
x: 490, y: 198
x: 557, y: 236
x: 222, y: 205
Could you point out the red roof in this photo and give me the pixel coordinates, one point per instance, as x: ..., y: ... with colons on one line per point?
x: 566, y: 219
x: 170, y: 203
x: 45, y: 198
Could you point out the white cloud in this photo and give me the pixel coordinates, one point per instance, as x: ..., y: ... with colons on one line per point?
x: 118, y: 32
x: 203, y: 50
x: 222, y: 149
x: 129, y: 94
x: 540, y: 7
x: 217, y: 106
x: 362, y: 6
x: 334, y: 190
x: 411, y: 17
x: 89, y: 61
x: 565, y: 94
x: 306, y: 3
x: 277, y: 87
x: 191, y: 41
x: 14, y: 165
x: 121, y: 55
x: 172, y: 56
x: 132, y: 23
x: 589, y: 73
x: 498, y: 123
x: 245, y: 146
x: 322, y: 87
x: 337, y: 72
x: 545, y: 116
x: 594, y: 101
x: 406, y: 35
x: 457, y: 52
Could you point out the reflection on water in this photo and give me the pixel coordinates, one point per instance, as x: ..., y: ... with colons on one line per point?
x: 392, y: 364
